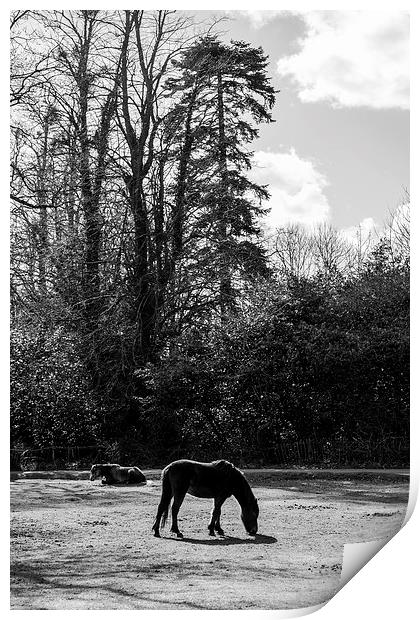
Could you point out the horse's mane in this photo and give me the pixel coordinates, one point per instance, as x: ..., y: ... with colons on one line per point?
x: 236, y: 474
x: 222, y: 464
x: 228, y: 468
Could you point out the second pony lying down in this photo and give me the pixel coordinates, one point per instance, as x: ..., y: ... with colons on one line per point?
x: 115, y: 474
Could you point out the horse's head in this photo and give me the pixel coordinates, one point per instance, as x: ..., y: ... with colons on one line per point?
x: 95, y: 472
x: 249, y: 517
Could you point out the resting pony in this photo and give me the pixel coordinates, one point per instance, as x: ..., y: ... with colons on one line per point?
x: 115, y: 474
x: 219, y: 479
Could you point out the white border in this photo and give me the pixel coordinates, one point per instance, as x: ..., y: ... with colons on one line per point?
x: 387, y: 586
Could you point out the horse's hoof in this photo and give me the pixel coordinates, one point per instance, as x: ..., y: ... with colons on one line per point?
x: 220, y: 532
x: 212, y: 534
x: 156, y: 535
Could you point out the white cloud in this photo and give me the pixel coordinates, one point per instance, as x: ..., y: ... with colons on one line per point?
x: 296, y: 188
x: 258, y: 19
x: 352, y: 58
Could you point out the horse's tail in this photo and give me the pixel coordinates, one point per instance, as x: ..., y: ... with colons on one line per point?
x: 166, y: 495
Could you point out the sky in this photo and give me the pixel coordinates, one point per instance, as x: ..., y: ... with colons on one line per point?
x: 339, y: 149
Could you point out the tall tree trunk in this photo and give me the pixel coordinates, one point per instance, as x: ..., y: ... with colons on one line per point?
x: 42, y: 224
x: 159, y: 215
x: 145, y: 293
x: 143, y: 302
x: 92, y: 177
x: 90, y: 203
x: 181, y: 186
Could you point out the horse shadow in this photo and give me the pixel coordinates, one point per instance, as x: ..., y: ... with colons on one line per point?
x: 258, y: 539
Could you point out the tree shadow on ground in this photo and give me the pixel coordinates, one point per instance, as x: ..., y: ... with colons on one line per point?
x: 349, y: 490
x: 63, y: 582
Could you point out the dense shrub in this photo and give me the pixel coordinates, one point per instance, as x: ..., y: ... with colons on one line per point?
x: 51, y: 399
x: 312, y: 371
x: 304, y: 361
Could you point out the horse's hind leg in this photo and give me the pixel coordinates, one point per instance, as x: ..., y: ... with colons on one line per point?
x: 178, y: 499
x: 156, y: 524
x: 163, y: 507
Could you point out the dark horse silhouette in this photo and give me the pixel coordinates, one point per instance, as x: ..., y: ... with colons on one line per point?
x: 219, y: 479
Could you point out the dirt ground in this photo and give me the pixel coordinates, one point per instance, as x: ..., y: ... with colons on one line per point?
x: 77, y: 544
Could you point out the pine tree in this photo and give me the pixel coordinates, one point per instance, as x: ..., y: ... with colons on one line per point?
x: 226, y: 92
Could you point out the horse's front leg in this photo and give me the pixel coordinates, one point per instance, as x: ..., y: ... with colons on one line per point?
x: 176, y: 505
x: 215, y: 517
x: 217, y: 526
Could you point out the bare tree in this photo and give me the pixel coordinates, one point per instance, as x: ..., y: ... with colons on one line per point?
x: 30, y: 58
x: 294, y: 251
x: 398, y: 230
x: 150, y: 41
x: 360, y: 248
x: 331, y: 251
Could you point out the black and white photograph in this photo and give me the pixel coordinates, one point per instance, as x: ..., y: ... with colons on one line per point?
x: 209, y: 304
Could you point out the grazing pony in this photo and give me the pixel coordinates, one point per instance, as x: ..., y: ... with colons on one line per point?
x: 219, y: 479
x: 115, y: 474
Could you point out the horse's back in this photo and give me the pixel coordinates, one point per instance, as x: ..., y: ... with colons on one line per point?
x: 189, y: 467
x: 198, y: 478
x: 188, y: 463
